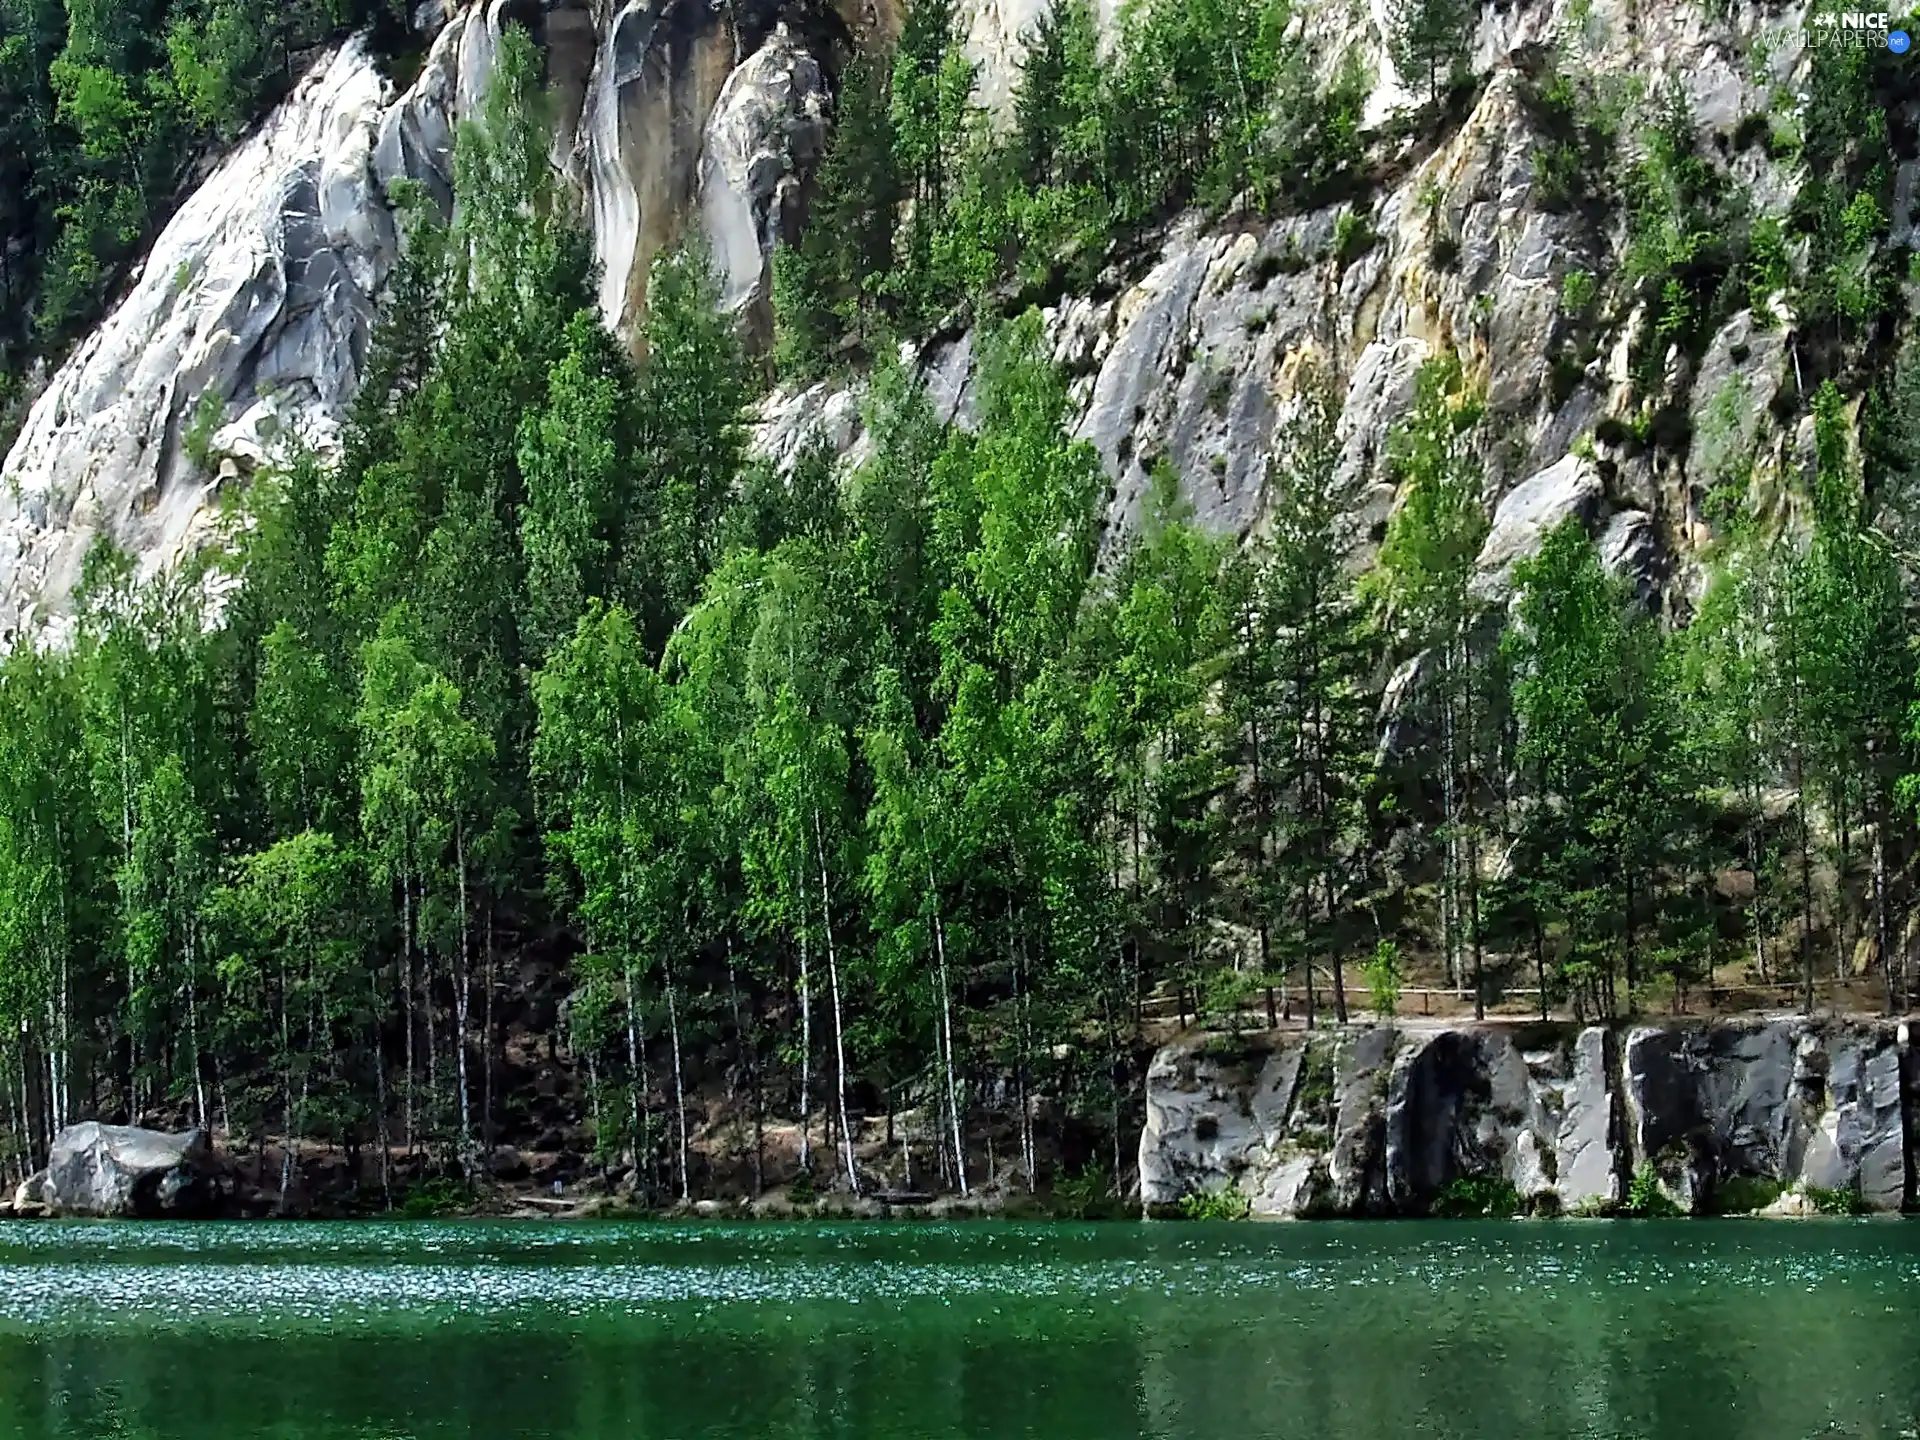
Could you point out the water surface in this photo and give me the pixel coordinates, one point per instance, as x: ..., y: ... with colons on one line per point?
x: 920, y: 1332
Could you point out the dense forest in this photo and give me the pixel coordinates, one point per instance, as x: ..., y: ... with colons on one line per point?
x: 903, y: 790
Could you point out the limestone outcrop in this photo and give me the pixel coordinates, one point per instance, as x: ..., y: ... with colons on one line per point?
x: 1402, y: 1120
x: 121, y: 1171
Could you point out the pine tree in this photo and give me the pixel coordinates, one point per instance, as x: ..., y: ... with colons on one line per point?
x: 931, y: 115
x: 1168, y: 653
x: 1596, y: 697
x: 1058, y: 115
x: 573, y: 455
x: 826, y: 289
x: 1429, y: 41
x: 1327, y: 653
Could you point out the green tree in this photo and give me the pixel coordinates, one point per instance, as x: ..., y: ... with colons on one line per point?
x: 613, y: 766
x: 1327, y: 652
x: 1596, y: 697
x: 826, y: 288
x: 1429, y: 41
x: 1424, y: 584
x: 691, y: 403
x: 292, y: 929
x: 424, y: 806
x: 571, y: 453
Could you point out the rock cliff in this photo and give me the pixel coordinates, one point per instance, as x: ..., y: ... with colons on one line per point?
x: 1401, y: 1120
x: 249, y: 320
x: 248, y: 323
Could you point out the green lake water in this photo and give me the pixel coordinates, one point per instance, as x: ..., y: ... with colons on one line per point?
x: 918, y: 1332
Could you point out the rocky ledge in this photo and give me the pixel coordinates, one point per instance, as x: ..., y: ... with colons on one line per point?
x: 1789, y: 1115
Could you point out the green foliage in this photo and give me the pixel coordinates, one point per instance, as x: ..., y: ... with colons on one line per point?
x: 1353, y: 236
x: 1578, y: 115
x: 1726, y: 444
x: 1383, y: 974
x: 1084, y: 1195
x: 1744, y: 1195
x: 1429, y: 41
x: 1836, y: 1202
x: 1227, y: 1204
x: 925, y: 210
x: 1314, y: 1094
x: 1849, y: 273
x: 918, y: 778
x: 1595, y: 695
x: 1682, y: 217
x: 436, y: 1199
x: 827, y: 290
x: 1423, y: 592
x: 1769, y: 266
x: 101, y: 109
x: 1645, y: 1199
x: 1477, y: 1197
x: 196, y: 441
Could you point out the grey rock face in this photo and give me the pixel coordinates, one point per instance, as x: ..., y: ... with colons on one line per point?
x: 681, y: 113
x: 768, y: 129
x: 253, y: 308
x: 1630, y: 549
x: 1371, y: 1121
x: 1570, y: 488
x: 1587, y: 1172
x: 1216, y: 1111
x: 1463, y: 1105
x: 1363, y: 1076
x: 1384, y: 1120
x: 123, y: 1171
x: 1795, y: 1102
x: 658, y: 70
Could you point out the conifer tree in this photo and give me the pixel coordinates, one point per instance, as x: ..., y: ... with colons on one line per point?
x: 1327, y: 654
x: 1429, y: 41
x: 1596, y: 696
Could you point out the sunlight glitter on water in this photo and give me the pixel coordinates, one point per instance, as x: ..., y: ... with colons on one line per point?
x: 115, y: 1276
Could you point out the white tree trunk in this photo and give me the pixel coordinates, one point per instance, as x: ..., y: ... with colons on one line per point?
x: 679, y: 1087
x: 633, y: 1066
x: 461, y: 1004
x: 946, y: 1044
x: 833, y: 979
x: 193, y: 1033
x: 806, y: 1043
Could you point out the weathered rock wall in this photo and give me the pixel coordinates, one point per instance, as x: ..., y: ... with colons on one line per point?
x: 1384, y: 1120
x: 248, y: 324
